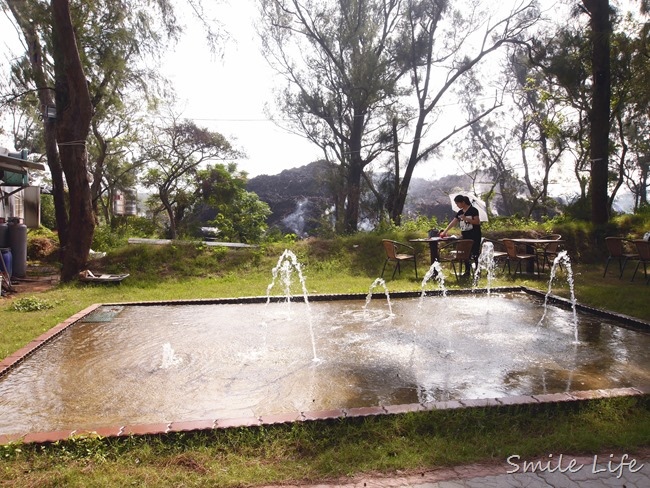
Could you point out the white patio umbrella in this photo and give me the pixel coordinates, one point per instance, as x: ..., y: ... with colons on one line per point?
x: 475, y: 201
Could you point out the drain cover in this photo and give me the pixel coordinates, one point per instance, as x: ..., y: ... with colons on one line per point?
x: 102, y: 314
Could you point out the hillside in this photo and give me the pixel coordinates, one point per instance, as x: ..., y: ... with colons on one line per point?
x: 300, y: 198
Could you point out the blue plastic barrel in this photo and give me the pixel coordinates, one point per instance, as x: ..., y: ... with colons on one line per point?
x: 8, y: 260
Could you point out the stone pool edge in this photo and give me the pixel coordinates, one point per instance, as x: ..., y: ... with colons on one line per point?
x: 160, y: 428
x: 210, y: 424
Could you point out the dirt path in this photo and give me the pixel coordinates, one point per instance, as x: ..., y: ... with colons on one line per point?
x: 38, y: 279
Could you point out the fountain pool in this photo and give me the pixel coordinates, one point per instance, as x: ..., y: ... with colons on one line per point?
x: 159, y: 363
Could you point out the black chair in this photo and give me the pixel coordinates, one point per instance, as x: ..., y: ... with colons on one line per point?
x: 549, y: 252
x: 515, y: 257
x: 644, y: 258
x: 395, y: 253
x: 460, y: 252
x: 616, y: 246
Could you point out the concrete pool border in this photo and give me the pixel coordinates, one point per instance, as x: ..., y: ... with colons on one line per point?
x: 14, y: 359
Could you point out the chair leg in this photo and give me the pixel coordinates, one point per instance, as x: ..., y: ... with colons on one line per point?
x: 396, y: 269
x: 621, y: 265
x: 384, y: 268
x: 606, y: 266
x: 415, y: 265
x: 453, y: 265
x: 637, y: 269
x: 519, y: 268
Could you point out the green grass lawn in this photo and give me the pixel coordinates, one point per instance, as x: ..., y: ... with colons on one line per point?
x: 309, y: 451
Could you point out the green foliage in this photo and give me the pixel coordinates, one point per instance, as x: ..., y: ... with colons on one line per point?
x: 243, y: 219
x: 31, y: 304
x: 632, y: 226
x: 274, y: 234
x: 107, y: 237
x: 579, y: 209
x: 419, y: 224
x: 499, y: 224
x: 221, y: 201
x: 48, y: 218
x: 42, y: 231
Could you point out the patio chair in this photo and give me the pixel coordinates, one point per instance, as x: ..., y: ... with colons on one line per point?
x: 616, y: 246
x: 514, y: 256
x: 397, y: 253
x: 549, y: 252
x: 459, y: 251
x: 643, y: 247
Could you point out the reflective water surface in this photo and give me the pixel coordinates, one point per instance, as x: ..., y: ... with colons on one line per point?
x: 125, y: 365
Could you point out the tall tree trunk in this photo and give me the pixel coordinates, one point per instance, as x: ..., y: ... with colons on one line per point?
x: 355, y: 170
x: 353, y: 184
x: 45, y: 98
x: 164, y: 198
x: 600, y: 108
x: 393, y: 202
x: 74, y: 113
x: 96, y: 186
x: 403, y: 186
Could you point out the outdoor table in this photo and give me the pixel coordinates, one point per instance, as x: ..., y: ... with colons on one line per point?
x: 531, y: 245
x: 433, y: 244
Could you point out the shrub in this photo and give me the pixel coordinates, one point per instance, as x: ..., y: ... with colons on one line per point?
x: 31, y: 304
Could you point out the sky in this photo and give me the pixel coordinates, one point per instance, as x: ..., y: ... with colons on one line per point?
x: 222, y: 94
x: 228, y: 94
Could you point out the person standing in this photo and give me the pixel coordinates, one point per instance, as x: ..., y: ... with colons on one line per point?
x: 469, y: 221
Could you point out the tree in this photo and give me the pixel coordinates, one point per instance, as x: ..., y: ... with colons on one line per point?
x: 110, y: 36
x: 631, y: 107
x: 540, y: 127
x: 340, y: 94
x: 173, y: 152
x: 53, y: 68
x: 223, y: 202
x: 438, y: 55
x: 600, y: 32
x: 362, y: 84
x: 72, y: 126
x: 563, y: 60
x: 488, y: 146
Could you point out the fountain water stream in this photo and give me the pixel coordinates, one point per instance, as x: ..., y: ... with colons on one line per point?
x: 287, y: 263
x: 487, y: 263
x: 434, y: 272
x: 376, y: 283
x: 563, y: 259
x: 169, y: 357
